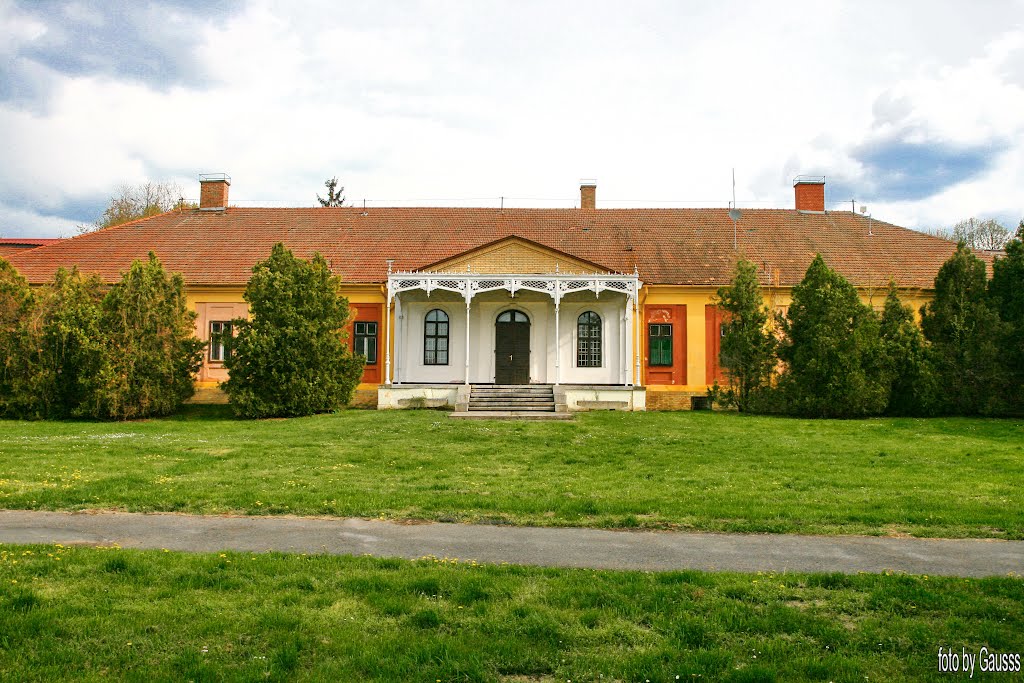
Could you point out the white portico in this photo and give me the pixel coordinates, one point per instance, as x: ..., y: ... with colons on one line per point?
x: 469, y: 328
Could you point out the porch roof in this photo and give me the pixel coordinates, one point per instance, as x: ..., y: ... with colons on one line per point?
x: 556, y: 285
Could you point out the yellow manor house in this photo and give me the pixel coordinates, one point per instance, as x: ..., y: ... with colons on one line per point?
x: 520, y: 309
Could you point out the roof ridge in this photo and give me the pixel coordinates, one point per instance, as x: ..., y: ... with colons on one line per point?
x: 107, y: 229
x: 669, y: 245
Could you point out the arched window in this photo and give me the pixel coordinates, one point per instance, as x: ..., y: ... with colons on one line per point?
x: 588, y: 340
x: 435, y: 338
x: 513, y: 317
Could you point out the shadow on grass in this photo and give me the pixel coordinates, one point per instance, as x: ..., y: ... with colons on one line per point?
x: 199, y: 412
x: 195, y: 412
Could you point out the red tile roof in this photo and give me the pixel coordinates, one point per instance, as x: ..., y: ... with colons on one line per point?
x: 29, y: 241
x: 16, y: 245
x: 667, y: 246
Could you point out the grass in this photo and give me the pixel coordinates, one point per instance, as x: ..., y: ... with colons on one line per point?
x: 705, y: 471
x: 101, y: 613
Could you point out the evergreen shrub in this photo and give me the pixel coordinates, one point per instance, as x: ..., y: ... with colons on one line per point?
x: 289, y: 358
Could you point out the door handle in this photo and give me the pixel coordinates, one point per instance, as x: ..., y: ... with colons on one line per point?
x: 510, y: 358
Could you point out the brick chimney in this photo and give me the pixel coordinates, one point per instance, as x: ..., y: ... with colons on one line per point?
x: 810, y: 193
x: 588, y: 193
x: 213, y: 191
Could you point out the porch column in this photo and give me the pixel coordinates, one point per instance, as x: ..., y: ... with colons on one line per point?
x: 399, y: 332
x: 637, y: 338
x: 625, y: 364
x: 387, y: 338
x: 558, y: 344
x: 467, y: 337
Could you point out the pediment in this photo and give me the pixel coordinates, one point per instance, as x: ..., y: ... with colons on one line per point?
x: 516, y: 255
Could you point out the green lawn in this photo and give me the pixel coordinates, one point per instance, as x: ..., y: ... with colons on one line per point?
x: 708, y: 471
x: 97, y: 614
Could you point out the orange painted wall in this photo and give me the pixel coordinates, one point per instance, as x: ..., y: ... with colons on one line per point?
x: 675, y: 315
x: 712, y: 344
x: 372, y: 374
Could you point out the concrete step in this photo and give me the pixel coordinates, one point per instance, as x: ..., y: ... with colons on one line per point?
x: 511, y: 392
x: 545, y: 392
x: 514, y: 402
x: 510, y: 401
x: 509, y: 415
x: 498, y: 397
x: 520, y: 397
x: 506, y: 397
x: 513, y: 408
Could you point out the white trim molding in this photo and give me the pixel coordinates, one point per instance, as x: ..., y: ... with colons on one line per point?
x: 554, y: 285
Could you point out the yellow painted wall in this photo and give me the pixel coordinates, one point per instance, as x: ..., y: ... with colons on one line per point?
x: 355, y: 293
x: 695, y: 298
x: 777, y: 299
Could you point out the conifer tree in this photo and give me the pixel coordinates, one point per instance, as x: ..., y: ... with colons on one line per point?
x: 912, y: 388
x: 72, y: 349
x: 153, y: 353
x: 748, y: 347
x: 335, y: 194
x: 832, y: 350
x: 289, y: 357
x: 17, y: 350
x: 965, y: 332
x: 1006, y: 291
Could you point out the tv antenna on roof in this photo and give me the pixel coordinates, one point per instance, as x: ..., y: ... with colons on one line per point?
x: 734, y: 213
x: 864, y: 211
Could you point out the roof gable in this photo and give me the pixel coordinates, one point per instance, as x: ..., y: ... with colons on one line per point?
x: 518, y: 255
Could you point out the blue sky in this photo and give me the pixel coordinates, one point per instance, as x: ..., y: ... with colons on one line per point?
x: 910, y: 108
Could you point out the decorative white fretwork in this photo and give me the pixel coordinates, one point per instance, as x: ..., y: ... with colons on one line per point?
x: 554, y: 285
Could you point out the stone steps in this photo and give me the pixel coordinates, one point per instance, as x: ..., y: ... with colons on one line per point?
x: 509, y: 415
x: 492, y: 400
x: 514, y: 407
x: 510, y: 401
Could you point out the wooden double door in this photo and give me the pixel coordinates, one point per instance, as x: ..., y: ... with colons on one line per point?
x: 512, y: 348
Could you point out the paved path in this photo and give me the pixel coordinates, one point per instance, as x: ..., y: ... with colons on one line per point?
x: 556, y: 547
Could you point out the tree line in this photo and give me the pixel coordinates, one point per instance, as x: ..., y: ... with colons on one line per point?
x: 831, y: 355
x: 75, y: 348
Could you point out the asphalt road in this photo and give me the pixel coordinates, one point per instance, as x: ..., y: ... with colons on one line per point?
x: 553, y: 547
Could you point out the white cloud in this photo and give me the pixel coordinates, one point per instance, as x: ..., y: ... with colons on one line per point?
x: 22, y: 223
x: 450, y: 101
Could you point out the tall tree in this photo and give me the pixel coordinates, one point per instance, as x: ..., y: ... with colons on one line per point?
x: 980, y: 235
x: 832, y: 349
x: 132, y: 202
x: 151, y: 342
x: 965, y: 333
x: 912, y: 389
x: 72, y: 348
x: 748, y: 346
x: 1006, y: 291
x: 289, y: 357
x: 17, y: 305
x: 335, y: 196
